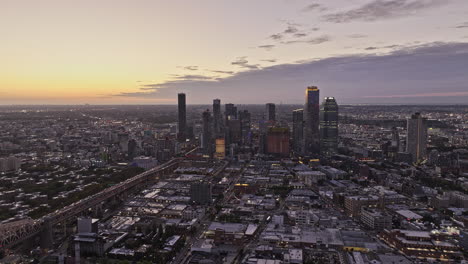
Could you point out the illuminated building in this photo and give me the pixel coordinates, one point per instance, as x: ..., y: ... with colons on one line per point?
x: 182, y: 117
x: 421, y: 244
x: 329, y: 126
x: 220, y: 148
x: 311, y: 121
x: 416, y: 140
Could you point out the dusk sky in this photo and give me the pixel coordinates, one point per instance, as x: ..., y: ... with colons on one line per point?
x: 242, y: 51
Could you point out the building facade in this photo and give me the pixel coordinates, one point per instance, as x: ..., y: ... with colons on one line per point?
x: 329, y: 126
x: 416, y: 140
x: 312, y: 121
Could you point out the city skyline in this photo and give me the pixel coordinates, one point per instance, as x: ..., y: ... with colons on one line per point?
x: 128, y: 53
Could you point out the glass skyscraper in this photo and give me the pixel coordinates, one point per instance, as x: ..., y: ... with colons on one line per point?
x: 311, y: 121
x: 329, y: 126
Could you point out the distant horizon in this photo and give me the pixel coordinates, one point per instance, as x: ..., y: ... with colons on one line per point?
x: 222, y: 104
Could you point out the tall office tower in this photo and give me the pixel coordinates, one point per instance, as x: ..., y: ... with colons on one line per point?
x: 207, y: 133
x: 416, y: 140
x: 329, y: 126
x: 311, y: 121
x: 395, y: 139
x: 217, y: 117
x: 298, y: 130
x: 270, y: 112
x: 230, y: 111
x: 182, y: 125
x: 277, y: 141
x: 244, y: 117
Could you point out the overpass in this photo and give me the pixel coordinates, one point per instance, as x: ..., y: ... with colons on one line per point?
x: 14, y: 233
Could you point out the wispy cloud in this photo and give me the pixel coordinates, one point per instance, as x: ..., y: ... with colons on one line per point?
x: 278, y: 36
x: 357, y: 36
x: 266, y: 47
x: 189, y: 68
x: 312, y: 41
x: 314, y: 7
x: 291, y: 29
x: 300, y: 35
x: 269, y: 60
x: 463, y: 25
x: 383, y: 9
x: 244, y: 63
x: 222, y: 72
x: 191, y: 77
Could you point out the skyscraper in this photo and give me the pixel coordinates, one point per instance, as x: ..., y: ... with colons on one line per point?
x: 298, y: 130
x: 182, y: 118
x: 311, y: 121
x: 277, y: 141
x: 270, y: 112
x: 207, y: 136
x: 230, y: 111
x: 217, y: 117
x: 244, y: 117
x: 329, y: 126
x: 416, y: 140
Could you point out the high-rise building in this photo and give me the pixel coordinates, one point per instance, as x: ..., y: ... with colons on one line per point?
x: 230, y: 111
x: 244, y: 117
x: 220, y: 152
x: 298, y: 130
x: 311, y: 121
x: 207, y: 133
x: 329, y: 126
x: 200, y: 192
x: 416, y: 140
x: 270, y: 112
x: 217, y: 117
x: 277, y: 141
x: 182, y: 120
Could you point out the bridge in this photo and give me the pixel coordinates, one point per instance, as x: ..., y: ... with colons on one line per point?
x: 14, y: 233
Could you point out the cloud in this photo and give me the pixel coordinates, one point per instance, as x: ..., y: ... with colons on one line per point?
x: 371, y: 48
x: 464, y: 25
x: 429, y: 73
x: 269, y: 60
x: 357, y: 36
x: 191, y: 68
x: 300, y: 35
x: 244, y: 63
x: 266, y: 47
x: 222, y: 72
x: 312, y: 41
x: 191, y: 77
x: 276, y: 36
x: 291, y: 30
x: 383, y: 9
x: 314, y: 7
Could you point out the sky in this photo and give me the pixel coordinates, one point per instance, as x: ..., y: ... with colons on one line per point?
x: 241, y: 51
